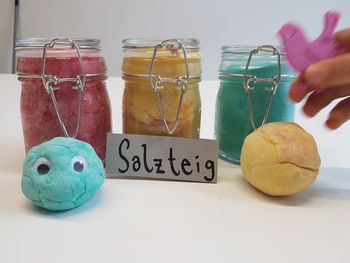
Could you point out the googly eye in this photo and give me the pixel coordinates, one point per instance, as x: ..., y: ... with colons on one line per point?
x: 79, y: 163
x: 42, y: 165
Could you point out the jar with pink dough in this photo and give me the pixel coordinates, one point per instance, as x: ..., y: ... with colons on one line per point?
x: 63, y: 91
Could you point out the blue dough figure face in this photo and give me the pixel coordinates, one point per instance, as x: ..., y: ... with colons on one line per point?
x: 61, y: 174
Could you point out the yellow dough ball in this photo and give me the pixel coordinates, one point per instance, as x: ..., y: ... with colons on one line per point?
x: 280, y: 158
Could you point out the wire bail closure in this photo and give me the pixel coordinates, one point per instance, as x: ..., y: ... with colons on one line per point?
x: 247, y: 80
x: 180, y: 82
x: 50, y: 82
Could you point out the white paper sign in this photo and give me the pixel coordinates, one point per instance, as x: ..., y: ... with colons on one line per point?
x: 162, y: 157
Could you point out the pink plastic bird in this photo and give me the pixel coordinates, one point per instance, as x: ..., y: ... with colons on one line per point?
x: 301, y: 53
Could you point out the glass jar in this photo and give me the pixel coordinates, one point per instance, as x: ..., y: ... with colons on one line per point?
x: 254, y: 83
x: 63, y: 91
x: 161, y: 95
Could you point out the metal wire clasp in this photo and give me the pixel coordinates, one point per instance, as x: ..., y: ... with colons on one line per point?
x: 51, y: 82
x: 180, y: 82
x: 248, y: 79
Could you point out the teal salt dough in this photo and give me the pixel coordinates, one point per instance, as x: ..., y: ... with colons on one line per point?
x: 233, y: 123
x: 61, y: 174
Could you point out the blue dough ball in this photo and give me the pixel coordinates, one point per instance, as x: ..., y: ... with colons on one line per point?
x: 61, y: 174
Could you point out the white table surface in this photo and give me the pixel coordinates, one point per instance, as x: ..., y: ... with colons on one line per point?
x: 161, y: 221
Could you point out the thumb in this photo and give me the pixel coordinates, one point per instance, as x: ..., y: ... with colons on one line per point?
x: 343, y: 38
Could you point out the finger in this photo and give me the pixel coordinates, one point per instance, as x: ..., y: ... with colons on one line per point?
x: 343, y: 38
x: 339, y: 114
x: 329, y: 73
x: 321, y: 99
x: 298, y: 89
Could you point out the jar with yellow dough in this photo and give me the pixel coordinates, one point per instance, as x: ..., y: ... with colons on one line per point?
x: 161, y: 95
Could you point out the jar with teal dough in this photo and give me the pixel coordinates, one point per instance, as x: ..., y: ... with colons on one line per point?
x: 254, y: 84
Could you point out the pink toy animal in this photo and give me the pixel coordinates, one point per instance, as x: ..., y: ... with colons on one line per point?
x: 300, y: 52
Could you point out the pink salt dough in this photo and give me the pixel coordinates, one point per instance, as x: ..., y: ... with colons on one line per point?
x: 39, y: 119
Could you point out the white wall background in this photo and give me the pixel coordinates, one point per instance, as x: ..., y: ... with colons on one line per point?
x: 215, y: 23
x: 6, y: 34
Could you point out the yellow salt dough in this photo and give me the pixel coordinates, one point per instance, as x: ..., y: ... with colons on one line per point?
x: 280, y: 159
x: 140, y: 99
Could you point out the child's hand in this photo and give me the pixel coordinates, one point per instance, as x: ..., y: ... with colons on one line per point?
x: 327, y: 80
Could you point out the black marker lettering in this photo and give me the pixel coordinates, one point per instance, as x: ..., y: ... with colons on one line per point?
x: 136, y: 163
x: 171, y: 160
x: 210, y: 165
x: 158, y: 164
x: 185, y: 162
x: 145, y: 159
x: 197, y: 164
x: 122, y: 156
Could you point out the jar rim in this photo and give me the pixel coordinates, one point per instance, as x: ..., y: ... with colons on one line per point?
x: 246, y: 49
x: 188, y: 43
x: 239, y: 60
x: 82, y: 43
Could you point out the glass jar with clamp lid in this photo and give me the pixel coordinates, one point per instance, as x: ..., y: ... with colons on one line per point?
x: 63, y: 91
x: 254, y: 83
x: 161, y: 95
